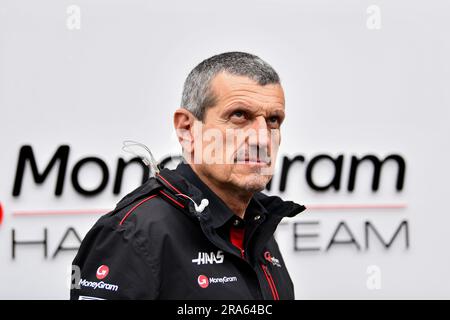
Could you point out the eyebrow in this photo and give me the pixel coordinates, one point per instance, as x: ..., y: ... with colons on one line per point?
x: 239, y: 105
x: 246, y: 107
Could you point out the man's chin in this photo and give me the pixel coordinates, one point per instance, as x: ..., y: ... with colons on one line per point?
x: 253, y: 182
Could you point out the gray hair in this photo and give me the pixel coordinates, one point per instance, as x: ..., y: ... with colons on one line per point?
x: 197, y: 92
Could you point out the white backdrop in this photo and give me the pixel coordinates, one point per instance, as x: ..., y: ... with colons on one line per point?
x: 360, y: 77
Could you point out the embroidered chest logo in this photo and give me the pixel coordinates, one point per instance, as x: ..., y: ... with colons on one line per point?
x: 271, y: 259
x: 102, y: 272
x: 209, y: 258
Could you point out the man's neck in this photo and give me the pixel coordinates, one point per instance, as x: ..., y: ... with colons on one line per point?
x: 236, y: 200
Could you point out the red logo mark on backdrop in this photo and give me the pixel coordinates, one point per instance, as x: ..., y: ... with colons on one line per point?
x: 1, y: 213
x: 203, y: 281
x: 102, y: 272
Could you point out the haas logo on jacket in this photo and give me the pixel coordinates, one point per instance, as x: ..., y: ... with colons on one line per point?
x: 209, y: 258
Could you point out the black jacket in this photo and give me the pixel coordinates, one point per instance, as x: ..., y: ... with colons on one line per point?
x: 155, y: 245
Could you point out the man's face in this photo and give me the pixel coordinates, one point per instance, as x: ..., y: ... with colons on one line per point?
x: 240, y: 133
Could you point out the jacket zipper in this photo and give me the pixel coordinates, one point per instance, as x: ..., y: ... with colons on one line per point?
x: 269, y: 279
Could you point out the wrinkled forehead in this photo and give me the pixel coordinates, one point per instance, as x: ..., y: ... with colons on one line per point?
x: 228, y: 88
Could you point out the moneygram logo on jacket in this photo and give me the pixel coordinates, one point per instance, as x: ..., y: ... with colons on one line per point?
x: 156, y: 244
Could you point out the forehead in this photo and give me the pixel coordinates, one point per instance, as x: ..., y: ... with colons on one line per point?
x: 230, y: 88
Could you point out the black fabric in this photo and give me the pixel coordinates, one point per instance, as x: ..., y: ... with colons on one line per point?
x: 154, y: 245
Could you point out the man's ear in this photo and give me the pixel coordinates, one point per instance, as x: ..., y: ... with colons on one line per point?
x: 183, y: 121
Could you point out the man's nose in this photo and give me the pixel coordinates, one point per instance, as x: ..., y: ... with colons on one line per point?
x: 259, y: 126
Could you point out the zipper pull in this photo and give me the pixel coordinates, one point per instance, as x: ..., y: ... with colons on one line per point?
x: 270, y: 281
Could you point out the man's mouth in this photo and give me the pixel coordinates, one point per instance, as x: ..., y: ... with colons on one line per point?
x: 253, y: 161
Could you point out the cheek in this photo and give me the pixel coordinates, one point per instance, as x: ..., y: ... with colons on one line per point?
x: 232, y: 143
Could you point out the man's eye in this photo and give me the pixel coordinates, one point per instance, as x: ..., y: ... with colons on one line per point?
x: 238, y: 114
x: 274, y: 119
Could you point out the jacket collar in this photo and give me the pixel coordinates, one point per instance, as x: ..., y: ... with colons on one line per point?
x: 272, y: 209
x: 184, y: 180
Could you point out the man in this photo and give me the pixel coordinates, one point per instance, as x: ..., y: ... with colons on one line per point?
x: 203, y: 230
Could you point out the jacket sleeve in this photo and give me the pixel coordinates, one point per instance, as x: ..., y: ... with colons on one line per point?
x: 112, y: 263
